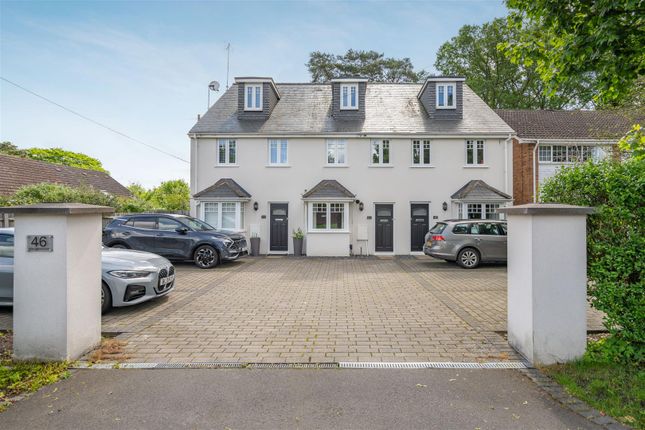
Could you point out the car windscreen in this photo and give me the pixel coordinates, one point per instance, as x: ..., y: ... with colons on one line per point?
x: 196, y: 224
x: 6, y: 245
x: 438, y: 228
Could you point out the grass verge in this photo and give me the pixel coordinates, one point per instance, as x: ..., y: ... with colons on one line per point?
x: 615, y: 389
x: 18, y: 378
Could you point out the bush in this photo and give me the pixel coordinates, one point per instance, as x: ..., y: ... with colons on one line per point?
x: 615, y: 244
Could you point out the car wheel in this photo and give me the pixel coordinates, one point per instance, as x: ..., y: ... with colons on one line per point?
x: 106, y: 298
x: 468, y: 258
x: 206, y: 257
x: 119, y: 246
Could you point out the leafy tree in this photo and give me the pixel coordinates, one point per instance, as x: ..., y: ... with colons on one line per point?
x: 615, y: 243
x: 566, y: 39
x: 68, y: 158
x: 9, y: 148
x: 501, y: 83
x: 368, y: 64
x: 634, y: 142
x: 171, y: 195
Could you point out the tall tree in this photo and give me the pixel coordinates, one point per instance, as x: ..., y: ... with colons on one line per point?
x: 474, y: 54
x: 54, y: 155
x: 566, y: 39
x: 9, y: 148
x: 368, y: 64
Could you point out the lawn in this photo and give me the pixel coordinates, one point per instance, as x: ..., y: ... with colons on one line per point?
x: 616, y: 389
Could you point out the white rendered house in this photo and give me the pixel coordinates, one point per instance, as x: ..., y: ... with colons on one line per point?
x: 362, y: 168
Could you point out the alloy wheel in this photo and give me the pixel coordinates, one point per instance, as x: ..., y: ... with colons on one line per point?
x: 205, y: 257
x: 469, y: 258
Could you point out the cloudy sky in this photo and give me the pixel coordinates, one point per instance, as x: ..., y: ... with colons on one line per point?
x: 143, y: 68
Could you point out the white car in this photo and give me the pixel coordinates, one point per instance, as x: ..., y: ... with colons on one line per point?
x: 129, y: 277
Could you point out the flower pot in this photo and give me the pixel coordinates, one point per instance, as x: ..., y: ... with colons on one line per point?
x: 255, y: 246
x: 297, y: 247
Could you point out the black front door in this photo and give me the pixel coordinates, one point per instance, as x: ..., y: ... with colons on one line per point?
x: 279, y: 227
x: 384, y: 228
x: 419, y: 225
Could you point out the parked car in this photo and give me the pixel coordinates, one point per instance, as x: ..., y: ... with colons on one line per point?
x: 468, y: 242
x: 129, y: 277
x: 176, y: 237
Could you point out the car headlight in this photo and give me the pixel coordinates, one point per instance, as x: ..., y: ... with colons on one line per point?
x: 228, y: 242
x: 129, y: 274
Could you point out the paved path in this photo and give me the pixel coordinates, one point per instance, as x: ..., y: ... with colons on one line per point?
x: 298, y: 399
x: 285, y: 309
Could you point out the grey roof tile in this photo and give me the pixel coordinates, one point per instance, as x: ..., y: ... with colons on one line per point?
x: 328, y: 188
x: 479, y: 190
x: 224, y: 188
x: 389, y: 109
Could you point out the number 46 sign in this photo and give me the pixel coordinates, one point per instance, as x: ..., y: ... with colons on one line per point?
x: 40, y: 243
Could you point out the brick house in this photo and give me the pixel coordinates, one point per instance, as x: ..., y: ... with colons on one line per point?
x: 548, y: 140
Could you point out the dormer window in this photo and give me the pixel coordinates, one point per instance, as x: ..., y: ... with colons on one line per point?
x: 253, y: 97
x: 349, y: 96
x: 446, y: 95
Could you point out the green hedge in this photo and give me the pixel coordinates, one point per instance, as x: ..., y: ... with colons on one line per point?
x: 615, y: 244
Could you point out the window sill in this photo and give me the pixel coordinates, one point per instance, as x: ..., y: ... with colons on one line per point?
x: 381, y: 166
x: 252, y: 110
x: 327, y: 231
x: 227, y: 165
x: 422, y: 166
x: 446, y: 107
x: 278, y: 165
x: 349, y: 108
x: 335, y: 166
x: 475, y: 166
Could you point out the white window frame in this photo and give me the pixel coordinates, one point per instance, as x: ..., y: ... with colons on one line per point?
x: 381, y: 143
x: 482, y: 210
x: 475, y: 143
x: 592, y: 149
x: 256, y: 97
x: 336, y: 142
x: 227, y: 153
x: 444, y: 86
x: 280, y: 143
x: 239, y: 213
x: 422, y: 144
x: 348, y: 105
x: 310, y: 212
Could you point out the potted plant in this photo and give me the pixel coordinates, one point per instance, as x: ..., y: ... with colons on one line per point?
x: 298, y: 237
x: 255, y: 244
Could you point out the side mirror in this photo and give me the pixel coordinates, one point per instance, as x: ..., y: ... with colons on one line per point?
x: 181, y: 230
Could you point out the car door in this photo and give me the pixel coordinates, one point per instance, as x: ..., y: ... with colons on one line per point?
x: 489, y: 241
x: 142, y: 233
x: 503, y: 232
x: 172, y: 243
x: 6, y: 268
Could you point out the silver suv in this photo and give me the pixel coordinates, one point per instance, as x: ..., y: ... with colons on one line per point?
x: 468, y: 242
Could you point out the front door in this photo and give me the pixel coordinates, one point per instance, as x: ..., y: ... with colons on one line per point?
x: 384, y: 220
x: 419, y: 225
x: 279, y: 240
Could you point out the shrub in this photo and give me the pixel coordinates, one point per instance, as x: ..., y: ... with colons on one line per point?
x: 615, y: 244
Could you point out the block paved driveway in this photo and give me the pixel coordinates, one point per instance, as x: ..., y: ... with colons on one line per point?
x: 285, y: 309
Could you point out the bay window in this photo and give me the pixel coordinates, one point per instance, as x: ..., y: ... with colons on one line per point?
x: 328, y: 216
x: 480, y: 210
x: 224, y: 215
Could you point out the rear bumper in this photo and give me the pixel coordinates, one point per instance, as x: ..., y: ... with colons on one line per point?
x: 432, y: 251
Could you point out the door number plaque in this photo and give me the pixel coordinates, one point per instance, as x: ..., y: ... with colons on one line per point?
x: 43, y: 243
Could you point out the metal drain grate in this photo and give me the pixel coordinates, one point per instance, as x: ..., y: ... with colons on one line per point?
x: 432, y: 365
x: 293, y: 365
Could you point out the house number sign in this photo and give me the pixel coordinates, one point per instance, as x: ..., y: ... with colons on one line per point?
x: 40, y: 243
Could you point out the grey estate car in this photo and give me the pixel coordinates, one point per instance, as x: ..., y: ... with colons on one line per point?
x: 468, y: 242
x: 129, y: 277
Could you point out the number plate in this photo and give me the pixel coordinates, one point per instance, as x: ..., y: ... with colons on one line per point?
x: 167, y: 280
x: 43, y: 243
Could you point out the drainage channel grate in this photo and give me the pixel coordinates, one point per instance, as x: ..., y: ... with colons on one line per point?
x: 433, y: 365
x: 340, y: 365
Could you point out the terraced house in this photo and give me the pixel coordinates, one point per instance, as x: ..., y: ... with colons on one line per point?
x: 362, y: 168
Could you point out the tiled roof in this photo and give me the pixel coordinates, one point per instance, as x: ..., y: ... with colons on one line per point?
x: 562, y: 124
x: 389, y: 109
x: 328, y: 188
x: 479, y: 190
x: 16, y: 172
x: 224, y: 188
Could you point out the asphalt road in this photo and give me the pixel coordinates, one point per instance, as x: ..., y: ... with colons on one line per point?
x: 292, y: 398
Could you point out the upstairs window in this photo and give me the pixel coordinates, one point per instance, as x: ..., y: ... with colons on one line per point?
x: 474, y: 152
x: 349, y: 97
x: 336, y: 152
x: 226, y: 152
x: 278, y: 150
x: 421, y: 152
x: 381, y: 151
x: 446, y: 96
x: 253, y: 97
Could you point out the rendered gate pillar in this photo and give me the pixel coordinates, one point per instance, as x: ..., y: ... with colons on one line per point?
x: 547, y: 281
x: 57, y: 280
